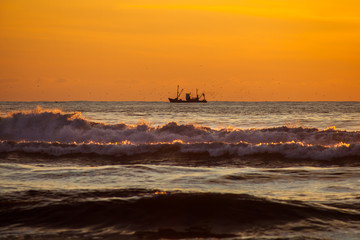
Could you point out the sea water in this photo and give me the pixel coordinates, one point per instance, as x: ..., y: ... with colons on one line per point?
x: 151, y: 170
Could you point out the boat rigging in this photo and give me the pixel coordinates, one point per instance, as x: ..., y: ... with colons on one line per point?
x: 188, y: 99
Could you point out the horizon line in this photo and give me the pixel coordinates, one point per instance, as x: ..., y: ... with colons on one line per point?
x: 58, y: 101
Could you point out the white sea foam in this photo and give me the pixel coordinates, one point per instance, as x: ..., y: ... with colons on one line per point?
x: 289, y: 150
x: 58, y: 133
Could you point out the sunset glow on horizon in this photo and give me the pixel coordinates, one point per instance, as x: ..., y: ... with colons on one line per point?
x: 244, y: 50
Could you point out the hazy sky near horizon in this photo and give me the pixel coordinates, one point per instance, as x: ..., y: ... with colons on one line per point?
x: 235, y: 50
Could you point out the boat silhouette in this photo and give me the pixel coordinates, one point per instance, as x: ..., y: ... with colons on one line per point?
x: 188, y: 98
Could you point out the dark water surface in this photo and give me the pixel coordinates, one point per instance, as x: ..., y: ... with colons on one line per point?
x: 142, y: 170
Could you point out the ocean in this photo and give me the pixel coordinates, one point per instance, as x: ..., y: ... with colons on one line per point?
x: 159, y: 170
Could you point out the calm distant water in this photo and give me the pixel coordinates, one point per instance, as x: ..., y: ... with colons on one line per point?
x: 151, y: 170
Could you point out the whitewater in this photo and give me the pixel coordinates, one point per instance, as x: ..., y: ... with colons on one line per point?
x: 153, y: 170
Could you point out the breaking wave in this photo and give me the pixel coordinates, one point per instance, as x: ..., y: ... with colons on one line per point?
x: 57, y: 133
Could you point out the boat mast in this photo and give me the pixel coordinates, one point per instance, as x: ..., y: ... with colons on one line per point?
x: 178, y: 93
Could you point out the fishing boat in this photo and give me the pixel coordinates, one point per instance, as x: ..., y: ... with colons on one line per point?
x: 188, y: 98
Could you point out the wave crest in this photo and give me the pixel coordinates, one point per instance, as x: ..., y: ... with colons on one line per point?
x: 57, y: 133
x: 289, y: 150
x: 54, y: 125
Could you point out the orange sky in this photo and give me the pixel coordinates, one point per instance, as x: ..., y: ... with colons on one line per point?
x: 235, y: 50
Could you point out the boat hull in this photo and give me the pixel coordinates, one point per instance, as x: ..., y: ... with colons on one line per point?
x: 174, y: 100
